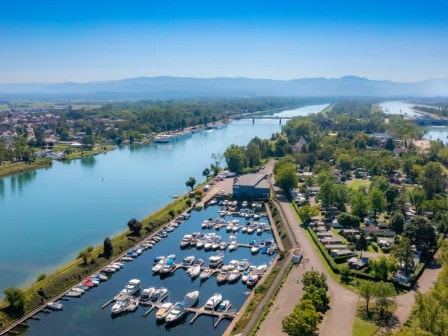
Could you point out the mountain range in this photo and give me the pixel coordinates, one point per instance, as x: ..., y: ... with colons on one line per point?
x: 171, y: 87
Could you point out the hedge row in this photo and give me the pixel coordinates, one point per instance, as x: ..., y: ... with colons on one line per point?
x: 334, y: 267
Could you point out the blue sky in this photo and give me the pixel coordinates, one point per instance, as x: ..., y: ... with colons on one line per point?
x: 61, y: 40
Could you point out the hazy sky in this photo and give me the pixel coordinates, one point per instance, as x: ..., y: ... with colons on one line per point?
x: 84, y: 40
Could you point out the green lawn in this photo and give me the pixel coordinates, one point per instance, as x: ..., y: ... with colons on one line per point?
x: 356, y: 184
x: 363, y: 328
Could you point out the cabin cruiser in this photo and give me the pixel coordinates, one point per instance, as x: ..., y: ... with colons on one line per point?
x: 188, y: 261
x: 158, y: 294
x: 200, y: 244
x: 214, y: 301
x: 223, y: 246
x: 252, y: 280
x: 224, y: 306
x: 120, y: 306
x: 55, y: 306
x: 157, y: 267
x: 133, y: 304
x: 215, y: 245
x: 243, y: 265
x: 73, y: 293
x: 215, y: 261
x: 185, y: 242
x: 261, y: 269
x: 194, y: 271
x: 131, y: 288
x: 208, y: 245
x: 176, y: 313
x: 145, y: 298
x: 168, y: 267
x: 191, y: 299
x: 233, y: 246
x: 234, y: 276
x: 163, y: 311
x: 233, y: 264
x: 206, y: 273
x: 223, y: 275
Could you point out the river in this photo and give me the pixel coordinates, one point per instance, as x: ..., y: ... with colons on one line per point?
x: 406, y: 109
x: 48, y: 215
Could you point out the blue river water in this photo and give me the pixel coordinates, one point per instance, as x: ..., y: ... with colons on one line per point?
x: 84, y: 316
x: 47, y: 216
x: 406, y: 109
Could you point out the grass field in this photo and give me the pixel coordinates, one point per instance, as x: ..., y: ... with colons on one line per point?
x: 356, y: 184
x: 18, y: 167
x: 363, y: 328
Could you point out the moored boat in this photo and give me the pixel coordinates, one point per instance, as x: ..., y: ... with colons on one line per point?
x: 213, y: 302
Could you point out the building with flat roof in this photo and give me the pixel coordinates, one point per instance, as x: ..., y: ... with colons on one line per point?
x: 251, y: 186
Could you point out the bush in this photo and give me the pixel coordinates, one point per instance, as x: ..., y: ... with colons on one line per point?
x: 41, y: 277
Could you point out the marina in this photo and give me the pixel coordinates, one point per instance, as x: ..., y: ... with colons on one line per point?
x: 125, y: 181
x: 125, y: 287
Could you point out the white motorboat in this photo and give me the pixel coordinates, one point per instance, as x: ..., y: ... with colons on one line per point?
x: 214, y: 301
x: 252, y: 280
x: 200, y: 244
x: 261, y: 269
x: 233, y: 246
x: 215, y: 261
x: 120, y: 307
x: 223, y: 275
x: 72, y: 293
x: 222, y: 246
x: 191, y: 299
x: 250, y: 229
x: 234, y: 276
x: 243, y: 265
x: 208, y: 246
x: 55, y: 306
x: 255, y: 249
x: 158, y: 294
x: 133, y: 305
x: 188, y: 261
x: 224, y: 306
x: 215, y: 245
x: 145, y: 298
x: 176, y: 313
x: 157, y: 267
x: 132, y: 287
x: 206, y: 273
x: 195, y: 271
x: 163, y: 311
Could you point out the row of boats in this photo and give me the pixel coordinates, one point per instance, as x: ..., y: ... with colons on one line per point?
x: 212, y: 241
x: 235, y: 226
x: 129, y: 299
x: 195, y: 268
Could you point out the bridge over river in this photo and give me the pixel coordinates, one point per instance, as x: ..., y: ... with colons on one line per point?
x: 253, y: 117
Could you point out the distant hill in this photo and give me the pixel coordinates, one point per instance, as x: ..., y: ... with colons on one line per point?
x: 166, y: 87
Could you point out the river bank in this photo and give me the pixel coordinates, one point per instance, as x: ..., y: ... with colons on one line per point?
x: 7, y: 169
x: 59, y: 281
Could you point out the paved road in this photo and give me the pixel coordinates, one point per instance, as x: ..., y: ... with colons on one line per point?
x: 285, y: 301
x: 424, y: 284
x: 338, y: 321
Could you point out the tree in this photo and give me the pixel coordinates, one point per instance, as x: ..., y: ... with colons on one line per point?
x: 380, y: 268
x: 361, y: 242
x: 391, y: 195
x: 344, y: 162
x: 367, y: 292
x: 206, y: 173
x: 236, y: 158
x: 397, y: 222
x: 306, y: 212
x: 85, y: 255
x: 135, y: 226
x: 314, y: 278
x: 348, y: 220
x: 403, y: 253
x: 88, y: 141
x: 318, y: 296
x: 421, y: 234
x: 377, y: 201
x: 16, y: 299
x: 286, y: 177
x: 417, y: 197
x: 303, y: 320
x: 191, y: 182
x: 346, y: 274
x: 432, y: 179
x: 326, y: 194
x: 253, y: 154
x: 107, y: 247
x: 389, y: 145
x: 383, y: 293
x: 380, y: 182
x: 359, y: 204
